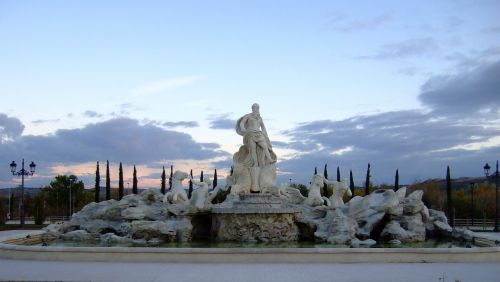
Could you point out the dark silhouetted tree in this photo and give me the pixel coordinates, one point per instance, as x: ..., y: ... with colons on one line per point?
x: 325, y: 187
x: 134, y: 182
x: 163, y: 180
x: 190, y: 190
x: 201, y: 176
x: 120, y: 182
x: 338, y: 174
x: 170, y: 178
x: 351, y: 183
x: 232, y: 170
x: 449, y: 198
x: 396, y: 181
x: 214, y: 183
x: 97, y: 183
x: 56, y: 195
x: 367, y: 181
x: 108, y: 182
x: 315, y: 170
x: 38, y: 208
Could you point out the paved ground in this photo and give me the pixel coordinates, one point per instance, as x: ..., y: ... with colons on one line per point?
x: 25, y: 270
x: 93, y: 271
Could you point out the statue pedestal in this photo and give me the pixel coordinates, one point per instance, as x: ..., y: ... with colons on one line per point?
x: 254, y: 217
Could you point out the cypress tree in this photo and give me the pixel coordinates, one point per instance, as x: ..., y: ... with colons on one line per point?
x: 449, y: 199
x: 338, y: 174
x: 367, y: 181
x: 201, y: 176
x: 170, y: 178
x: 396, y: 181
x: 214, y: 183
x: 134, y: 182
x: 325, y: 187
x: 108, y: 182
x: 163, y: 180
x: 11, y: 211
x: 120, y: 182
x: 315, y: 170
x: 351, y: 183
x: 97, y: 183
x: 190, y: 190
x: 231, y: 172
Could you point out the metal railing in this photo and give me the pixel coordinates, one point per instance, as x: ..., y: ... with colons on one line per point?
x: 479, y: 223
x: 31, y: 219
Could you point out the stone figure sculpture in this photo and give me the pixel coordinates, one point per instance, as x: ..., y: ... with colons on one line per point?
x: 291, y: 195
x: 254, y: 163
x: 201, y: 197
x: 314, y: 198
x: 257, y: 146
x: 339, y: 189
x: 177, y: 194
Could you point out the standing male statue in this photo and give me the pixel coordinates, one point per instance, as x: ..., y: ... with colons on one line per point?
x: 255, y: 139
x: 256, y: 154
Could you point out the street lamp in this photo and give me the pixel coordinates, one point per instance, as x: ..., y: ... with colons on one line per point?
x: 486, y: 173
x: 23, y: 172
x: 486, y: 168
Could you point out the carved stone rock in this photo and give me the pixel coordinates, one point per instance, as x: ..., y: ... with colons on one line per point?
x: 336, y: 228
x: 253, y: 227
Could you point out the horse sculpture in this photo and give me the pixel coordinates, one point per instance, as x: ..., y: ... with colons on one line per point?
x: 314, y: 198
x: 339, y: 189
x: 336, y: 199
x: 177, y: 194
x: 201, y: 197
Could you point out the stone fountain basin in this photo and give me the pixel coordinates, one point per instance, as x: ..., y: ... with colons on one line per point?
x: 10, y: 248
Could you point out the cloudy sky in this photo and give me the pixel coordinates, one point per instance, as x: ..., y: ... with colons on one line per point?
x: 413, y: 85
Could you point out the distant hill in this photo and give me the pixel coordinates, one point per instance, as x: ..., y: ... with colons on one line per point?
x: 4, y: 192
x: 458, y: 183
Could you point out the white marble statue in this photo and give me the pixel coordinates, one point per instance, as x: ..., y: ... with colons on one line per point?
x: 291, y: 194
x: 314, y: 198
x: 231, y: 183
x: 200, y: 197
x: 258, y: 147
x: 339, y: 189
x: 254, y: 163
x: 177, y: 194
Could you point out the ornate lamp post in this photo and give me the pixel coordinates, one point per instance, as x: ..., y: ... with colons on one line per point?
x: 486, y: 173
x: 486, y: 168
x: 23, y: 172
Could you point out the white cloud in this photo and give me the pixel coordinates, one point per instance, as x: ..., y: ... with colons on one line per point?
x: 167, y: 84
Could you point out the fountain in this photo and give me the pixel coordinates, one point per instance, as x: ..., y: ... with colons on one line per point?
x: 254, y: 209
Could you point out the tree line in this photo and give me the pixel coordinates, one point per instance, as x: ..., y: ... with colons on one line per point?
x: 53, y: 199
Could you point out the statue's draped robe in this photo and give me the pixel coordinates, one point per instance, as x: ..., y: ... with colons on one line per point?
x: 243, y: 156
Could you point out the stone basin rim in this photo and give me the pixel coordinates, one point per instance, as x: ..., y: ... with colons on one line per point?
x: 4, y: 246
x: 247, y: 255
